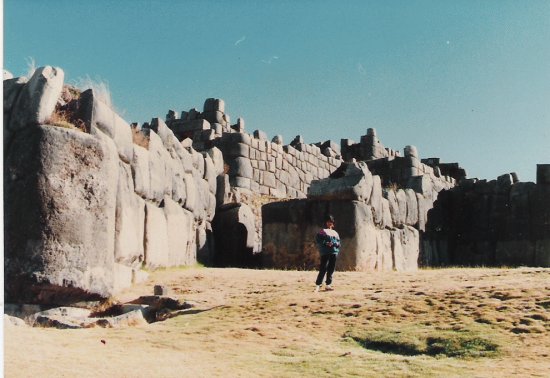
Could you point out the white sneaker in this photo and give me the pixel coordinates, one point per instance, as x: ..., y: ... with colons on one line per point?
x: 329, y: 288
x: 317, y: 288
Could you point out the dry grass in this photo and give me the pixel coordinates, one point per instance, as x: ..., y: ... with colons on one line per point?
x: 63, y: 114
x: 62, y: 118
x: 140, y: 138
x: 449, y: 322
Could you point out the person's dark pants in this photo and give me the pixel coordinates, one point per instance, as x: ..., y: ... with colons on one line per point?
x: 328, y: 262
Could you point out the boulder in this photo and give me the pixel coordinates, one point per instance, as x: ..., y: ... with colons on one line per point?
x: 71, y: 317
x: 12, y: 321
x: 60, y: 204
x: 130, y: 319
x: 37, y: 99
x: 384, y: 261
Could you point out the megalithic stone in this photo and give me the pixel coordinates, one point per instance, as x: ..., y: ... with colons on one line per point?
x: 37, y: 99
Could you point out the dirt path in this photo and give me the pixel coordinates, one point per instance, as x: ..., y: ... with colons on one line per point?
x: 272, y: 324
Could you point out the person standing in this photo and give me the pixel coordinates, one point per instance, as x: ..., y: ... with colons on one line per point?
x: 328, y: 242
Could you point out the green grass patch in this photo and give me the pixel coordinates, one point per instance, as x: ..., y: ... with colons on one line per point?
x: 414, y: 341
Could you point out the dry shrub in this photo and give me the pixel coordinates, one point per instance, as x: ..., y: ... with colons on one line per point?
x: 62, y: 118
x: 65, y: 110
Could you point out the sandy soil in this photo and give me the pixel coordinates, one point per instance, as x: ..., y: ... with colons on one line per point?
x: 270, y: 324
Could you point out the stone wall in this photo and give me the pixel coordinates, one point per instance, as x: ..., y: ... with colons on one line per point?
x: 501, y: 222
x: 253, y: 162
x: 90, y: 200
x: 378, y: 226
x: 256, y: 171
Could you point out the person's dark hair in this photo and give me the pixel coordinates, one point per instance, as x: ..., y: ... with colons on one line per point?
x: 329, y: 218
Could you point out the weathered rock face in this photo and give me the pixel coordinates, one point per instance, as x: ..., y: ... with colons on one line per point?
x: 495, y: 223
x: 61, y: 189
x: 374, y: 231
x: 37, y: 98
x: 290, y: 227
x: 85, y: 211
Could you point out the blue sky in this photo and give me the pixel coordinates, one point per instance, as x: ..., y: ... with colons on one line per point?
x: 466, y: 81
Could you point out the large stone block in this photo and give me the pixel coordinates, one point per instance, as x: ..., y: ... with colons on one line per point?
x: 269, y: 180
x: 186, y: 128
x: 217, y: 158
x: 376, y: 200
x: 129, y: 221
x: 60, y: 201
x: 180, y: 226
x: 386, y: 214
x: 36, y: 100
x: 99, y: 116
x: 412, y: 207
x: 259, y: 134
x: 405, y: 248
x: 159, y: 171
x: 353, y: 183
x: 214, y: 117
x: 237, y: 150
x: 140, y: 172
x: 213, y: 105
x: 156, y: 237
x: 192, y: 199
x: 289, y: 229
x: 210, y: 173
x: 240, y: 167
x: 11, y: 89
x: 222, y: 190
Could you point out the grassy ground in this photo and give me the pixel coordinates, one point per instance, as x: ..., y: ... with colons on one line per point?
x: 432, y: 323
